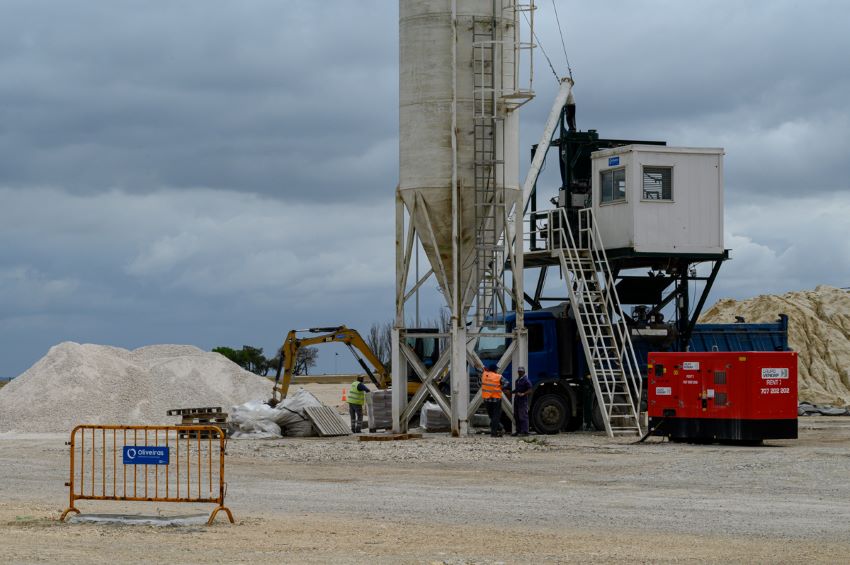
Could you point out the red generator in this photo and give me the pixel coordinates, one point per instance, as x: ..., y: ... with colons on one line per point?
x: 740, y: 396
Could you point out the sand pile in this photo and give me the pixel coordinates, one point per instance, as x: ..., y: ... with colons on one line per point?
x: 818, y: 328
x: 98, y: 384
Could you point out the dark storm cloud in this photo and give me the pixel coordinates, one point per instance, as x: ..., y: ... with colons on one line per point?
x: 270, y: 97
x: 297, y: 99
x: 216, y: 173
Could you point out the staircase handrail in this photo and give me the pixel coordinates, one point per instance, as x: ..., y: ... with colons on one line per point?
x: 613, y: 302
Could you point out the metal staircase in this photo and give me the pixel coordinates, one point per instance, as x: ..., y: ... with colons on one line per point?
x: 608, y: 348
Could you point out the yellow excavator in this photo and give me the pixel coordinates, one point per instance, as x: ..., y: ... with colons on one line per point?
x: 427, y: 348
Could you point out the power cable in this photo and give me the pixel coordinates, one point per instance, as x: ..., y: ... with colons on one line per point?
x: 540, y: 44
x: 563, y: 43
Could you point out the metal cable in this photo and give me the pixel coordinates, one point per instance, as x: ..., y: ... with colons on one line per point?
x: 563, y: 43
x: 540, y: 44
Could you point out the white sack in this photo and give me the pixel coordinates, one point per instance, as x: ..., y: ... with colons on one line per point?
x: 258, y: 420
x: 254, y: 420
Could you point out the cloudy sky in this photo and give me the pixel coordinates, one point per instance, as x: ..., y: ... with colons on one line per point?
x: 215, y: 173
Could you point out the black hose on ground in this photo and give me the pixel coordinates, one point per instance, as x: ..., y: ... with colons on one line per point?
x: 650, y: 432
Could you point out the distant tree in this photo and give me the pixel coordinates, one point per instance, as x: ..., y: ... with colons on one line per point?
x: 379, y: 339
x: 254, y: 360
x: 304, y: 360
x: 249, y: 358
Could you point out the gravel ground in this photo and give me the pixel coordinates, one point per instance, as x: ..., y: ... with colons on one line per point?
x: 568, y: 498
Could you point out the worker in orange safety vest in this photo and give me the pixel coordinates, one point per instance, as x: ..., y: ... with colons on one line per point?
x: 492, y: 384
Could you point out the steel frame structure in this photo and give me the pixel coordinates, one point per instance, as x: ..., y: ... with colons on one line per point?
x: 463, y: 332
x: 471, y: 307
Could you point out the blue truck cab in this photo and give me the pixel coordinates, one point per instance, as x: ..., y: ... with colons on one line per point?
x: 563, y: 399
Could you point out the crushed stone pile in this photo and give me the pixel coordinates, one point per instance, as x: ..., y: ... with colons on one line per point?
x: 818, y: 329
x: 97, y: 384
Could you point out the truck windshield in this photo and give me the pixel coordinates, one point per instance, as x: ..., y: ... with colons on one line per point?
x: 491, y: 347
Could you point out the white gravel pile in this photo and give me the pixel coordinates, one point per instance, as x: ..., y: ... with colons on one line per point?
x: 97, y: 384
x: 818, y: 329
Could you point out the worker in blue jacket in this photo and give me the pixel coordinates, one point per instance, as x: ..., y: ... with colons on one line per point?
x: 522, y: 390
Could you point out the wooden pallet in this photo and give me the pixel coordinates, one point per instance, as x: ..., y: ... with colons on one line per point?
x: 390, y: 437
x: 203, y: 434
x: 213, y: 416
x: 204, y: 420
x: 191, y: 411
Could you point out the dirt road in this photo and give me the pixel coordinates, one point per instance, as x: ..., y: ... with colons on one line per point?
x: 569, y: 498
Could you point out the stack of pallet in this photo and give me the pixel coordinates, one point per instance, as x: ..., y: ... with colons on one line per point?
x: 379, y: 405
x: 208, y: 416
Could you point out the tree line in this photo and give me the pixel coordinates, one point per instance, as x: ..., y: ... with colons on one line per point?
x: 252, y: 359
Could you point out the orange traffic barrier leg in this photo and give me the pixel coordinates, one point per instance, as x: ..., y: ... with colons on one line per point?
x: 65, y: 513
x: 215, y: 512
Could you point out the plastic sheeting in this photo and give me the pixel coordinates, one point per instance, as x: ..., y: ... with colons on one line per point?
x: 380, y: 410
x: 806, y: 409
x: 258, y: 420
x: 254, y: 419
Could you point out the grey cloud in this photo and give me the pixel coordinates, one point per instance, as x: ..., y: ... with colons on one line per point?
x: 218, y: 172
x: 268, y: 97
x: 762, y: 79
x: 204, y: 266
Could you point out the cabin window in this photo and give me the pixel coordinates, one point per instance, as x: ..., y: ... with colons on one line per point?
x: 535, y: 337
x: 613, y: 185
x: 658, y: 183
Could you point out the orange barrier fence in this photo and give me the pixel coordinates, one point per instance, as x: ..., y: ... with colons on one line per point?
x: 148, y: 463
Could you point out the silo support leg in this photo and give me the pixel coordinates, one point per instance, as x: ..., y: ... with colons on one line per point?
x: 460, y: 383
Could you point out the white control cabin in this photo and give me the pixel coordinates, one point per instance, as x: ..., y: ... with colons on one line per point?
x: 659, y: 199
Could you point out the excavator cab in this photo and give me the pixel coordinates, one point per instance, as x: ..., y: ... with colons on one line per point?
x: 427, y: 348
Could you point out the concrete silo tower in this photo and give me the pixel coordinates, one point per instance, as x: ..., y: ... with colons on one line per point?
x: 460, y: 89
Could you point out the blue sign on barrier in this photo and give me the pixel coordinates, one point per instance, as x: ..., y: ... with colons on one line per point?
x: 145, y: 455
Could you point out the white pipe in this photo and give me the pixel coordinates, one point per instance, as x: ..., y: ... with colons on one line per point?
x: 542, y: 147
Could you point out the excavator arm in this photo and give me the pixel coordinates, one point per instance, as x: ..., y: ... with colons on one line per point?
x: 340, y: 334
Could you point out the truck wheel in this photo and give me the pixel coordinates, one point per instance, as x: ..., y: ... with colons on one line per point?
x: 549, y: 414
x: 596, y: 417
x: 574, y: 424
